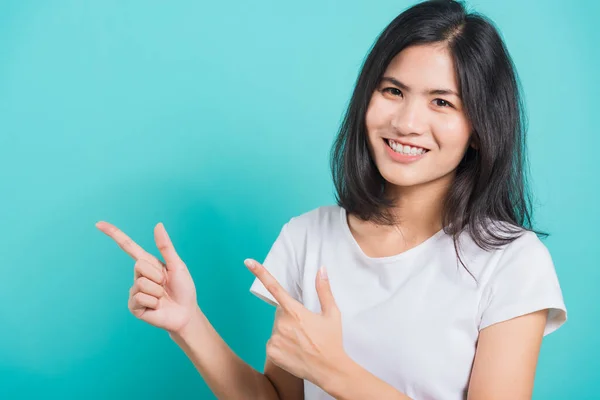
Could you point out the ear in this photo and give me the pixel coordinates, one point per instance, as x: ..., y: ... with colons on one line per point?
x: 474, y: 142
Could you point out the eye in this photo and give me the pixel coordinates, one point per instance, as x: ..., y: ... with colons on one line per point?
x: 393, y: 91
x: 443, y: 103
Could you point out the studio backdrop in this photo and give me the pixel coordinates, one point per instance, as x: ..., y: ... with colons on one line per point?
x: 216, y: 118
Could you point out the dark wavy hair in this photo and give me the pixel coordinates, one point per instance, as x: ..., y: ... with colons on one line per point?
x: 489, y: 196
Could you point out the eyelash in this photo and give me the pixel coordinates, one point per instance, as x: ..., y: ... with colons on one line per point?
x: 387, y: 89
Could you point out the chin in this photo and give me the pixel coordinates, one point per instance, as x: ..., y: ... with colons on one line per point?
x: 403, y: 180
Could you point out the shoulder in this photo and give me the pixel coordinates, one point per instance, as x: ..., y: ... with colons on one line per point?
x: 315, y: 219
x: 521, y: 278
x: 525, y: 248
x: 525, y: 244
x: 524, y: 258
x: 312, y: 227
x: 523, y: 241
x: 527, y: 253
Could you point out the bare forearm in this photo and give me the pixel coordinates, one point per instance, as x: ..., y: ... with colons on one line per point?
x: 226, y: 374
x: 352, y: 382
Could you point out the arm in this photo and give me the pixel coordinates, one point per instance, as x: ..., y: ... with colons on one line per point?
x: 288, y: 386
x: 164, y: 295
x: 227, y: 375
x: 504, y: 366
x: 506, y: 358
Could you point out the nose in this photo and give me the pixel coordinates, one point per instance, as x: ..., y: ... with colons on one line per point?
x: 409, y: 117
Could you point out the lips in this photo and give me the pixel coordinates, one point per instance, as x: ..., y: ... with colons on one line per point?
x: 405, y: 148
x: 402, y: 157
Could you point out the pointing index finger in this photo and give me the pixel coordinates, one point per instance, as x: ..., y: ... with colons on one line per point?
x: 125, y: 242
x: 285, y: 300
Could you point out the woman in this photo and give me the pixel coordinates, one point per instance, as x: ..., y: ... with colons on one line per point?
x: 434, y: 285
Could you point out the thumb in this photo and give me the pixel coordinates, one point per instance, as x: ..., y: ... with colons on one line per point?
x: 328, y: 304
x: 165, y: 246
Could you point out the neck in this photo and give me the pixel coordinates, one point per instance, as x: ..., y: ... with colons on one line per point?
x: 417, y: 210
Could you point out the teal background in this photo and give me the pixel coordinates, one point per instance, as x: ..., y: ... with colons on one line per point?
x: 216, y: 118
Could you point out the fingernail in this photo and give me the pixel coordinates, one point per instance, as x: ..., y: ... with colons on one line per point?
x: 323, y: 273
x: 249, y: 263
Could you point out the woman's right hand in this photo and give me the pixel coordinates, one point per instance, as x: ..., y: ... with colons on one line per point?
x: 163, y: 294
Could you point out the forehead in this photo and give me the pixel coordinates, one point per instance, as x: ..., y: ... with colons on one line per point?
x: 424, y: 66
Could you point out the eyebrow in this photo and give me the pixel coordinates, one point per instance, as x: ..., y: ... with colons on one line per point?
x: 404, y: 87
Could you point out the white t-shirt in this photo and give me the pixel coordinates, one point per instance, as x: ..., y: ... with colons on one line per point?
x: 413, y: 319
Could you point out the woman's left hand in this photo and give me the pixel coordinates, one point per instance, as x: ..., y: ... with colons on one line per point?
x: 306, y: 344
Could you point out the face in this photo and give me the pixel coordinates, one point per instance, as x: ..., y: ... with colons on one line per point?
x: 417, y: 129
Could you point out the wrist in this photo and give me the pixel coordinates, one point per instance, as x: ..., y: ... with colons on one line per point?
x: 339, y: 379
x: 187, y: 330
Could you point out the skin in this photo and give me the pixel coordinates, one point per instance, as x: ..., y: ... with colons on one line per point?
x: 404, y: 108
x: 307, y: 345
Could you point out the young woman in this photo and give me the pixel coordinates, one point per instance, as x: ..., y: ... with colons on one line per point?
x: 434, y: 284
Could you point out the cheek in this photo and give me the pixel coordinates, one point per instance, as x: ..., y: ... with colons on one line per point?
x: 370, y: 119
x: 454, y: 135
x: 375, y: 116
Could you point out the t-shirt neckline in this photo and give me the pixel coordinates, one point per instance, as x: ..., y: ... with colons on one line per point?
x: 407, y: 253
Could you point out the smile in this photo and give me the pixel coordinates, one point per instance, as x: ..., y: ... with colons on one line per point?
x: 405, y: 149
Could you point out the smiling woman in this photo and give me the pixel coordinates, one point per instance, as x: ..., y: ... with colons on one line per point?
x: 425, y: 118
x: 426, y: 280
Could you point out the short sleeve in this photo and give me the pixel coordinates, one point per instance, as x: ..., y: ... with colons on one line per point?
x: 281, y: 262
x: 524, y: 281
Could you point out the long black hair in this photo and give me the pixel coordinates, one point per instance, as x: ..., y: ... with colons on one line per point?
x: 489, y: 196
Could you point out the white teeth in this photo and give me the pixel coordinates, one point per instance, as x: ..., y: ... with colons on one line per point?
x: 398, y: 148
